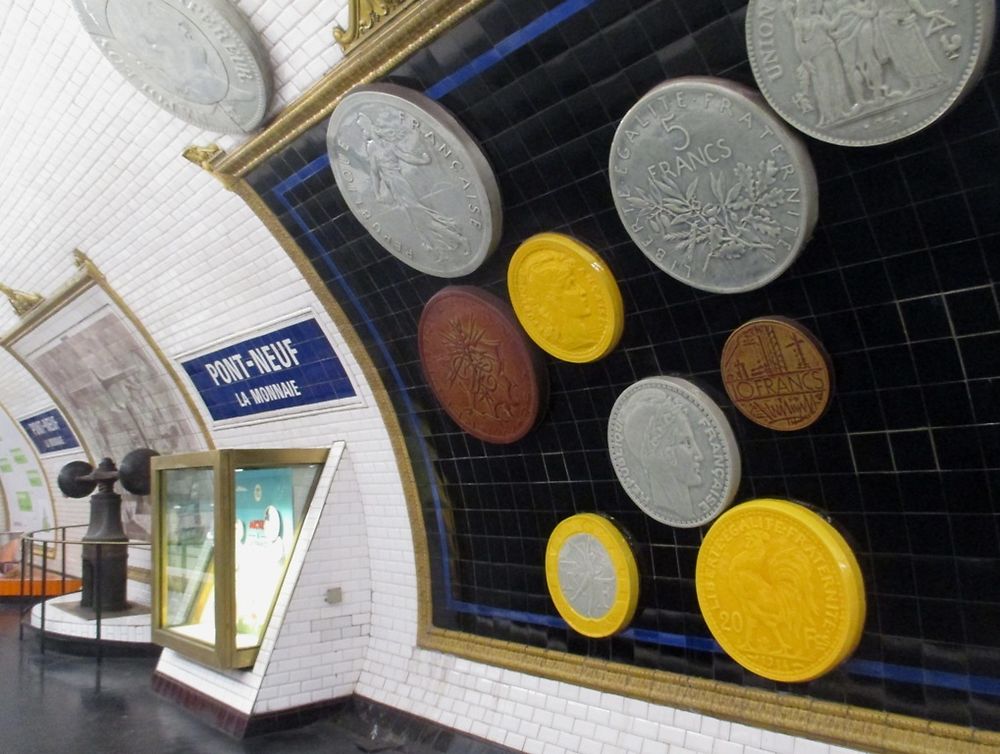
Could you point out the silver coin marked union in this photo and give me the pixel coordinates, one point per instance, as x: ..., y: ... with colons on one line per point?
x: 587, y: 576
x: 199, y: 60
x: 866, y: 72
x: 415, y: 178
x: 673, y: 451
x: 713, y: 188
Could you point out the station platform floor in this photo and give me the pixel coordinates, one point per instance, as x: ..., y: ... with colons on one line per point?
x: 59, y: 702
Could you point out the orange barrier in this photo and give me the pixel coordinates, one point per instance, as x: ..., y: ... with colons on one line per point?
x: 52, y: 587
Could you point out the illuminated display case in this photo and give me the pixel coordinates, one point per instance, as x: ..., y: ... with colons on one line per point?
x: 224, y: 526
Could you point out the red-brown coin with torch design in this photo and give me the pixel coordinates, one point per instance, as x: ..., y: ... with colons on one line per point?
x: 480, y: 365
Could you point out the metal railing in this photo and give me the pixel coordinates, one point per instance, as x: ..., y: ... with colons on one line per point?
x: 46, y: 538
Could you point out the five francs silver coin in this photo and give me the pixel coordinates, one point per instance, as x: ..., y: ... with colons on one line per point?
x: 711, y: 185
x: 415, y: 179
x: 673, y: 451
x: 866, y: 72
x: 200, y: 61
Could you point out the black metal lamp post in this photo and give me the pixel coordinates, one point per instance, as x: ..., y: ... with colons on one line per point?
x: 105, y: 554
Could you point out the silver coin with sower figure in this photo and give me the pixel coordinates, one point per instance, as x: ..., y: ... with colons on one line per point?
x: 415, y: 179
x: 673, y: 451
x: 200, y: 61
x: 866, y: 72
x: 713, y: 188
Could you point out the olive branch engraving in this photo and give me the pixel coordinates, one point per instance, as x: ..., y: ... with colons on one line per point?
x: 738, y: 221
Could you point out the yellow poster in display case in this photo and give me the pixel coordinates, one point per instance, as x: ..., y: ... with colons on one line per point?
x: 224, y: 527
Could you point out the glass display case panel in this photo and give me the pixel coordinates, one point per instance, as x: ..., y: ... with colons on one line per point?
x: 189, y: 547
x: 270, y: 503
x: 224, y: 528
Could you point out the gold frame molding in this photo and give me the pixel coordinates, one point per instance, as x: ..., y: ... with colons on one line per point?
x: 841, y: 724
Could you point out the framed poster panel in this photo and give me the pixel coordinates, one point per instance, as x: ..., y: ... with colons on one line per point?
x: 109, y: 379
x: 25, y: 489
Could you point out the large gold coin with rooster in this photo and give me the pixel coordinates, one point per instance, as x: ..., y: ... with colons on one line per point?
x: 780, y: 590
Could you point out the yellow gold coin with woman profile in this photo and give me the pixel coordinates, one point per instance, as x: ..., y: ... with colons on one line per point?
x: 566, y: 298
x: 780, y: 590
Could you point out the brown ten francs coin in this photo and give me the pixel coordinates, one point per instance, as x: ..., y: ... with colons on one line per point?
x: 777, y: 373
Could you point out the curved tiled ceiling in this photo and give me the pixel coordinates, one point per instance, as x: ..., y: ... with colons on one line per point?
x: 88, y: 161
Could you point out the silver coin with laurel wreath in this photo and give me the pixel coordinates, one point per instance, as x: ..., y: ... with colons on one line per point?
x: 712, y: 187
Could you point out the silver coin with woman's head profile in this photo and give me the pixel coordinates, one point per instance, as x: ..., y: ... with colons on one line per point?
x: 866, y: 72
x: 711, y: 185
x: 201, y: 62
x: 415, y: 179
x: 673, y: 451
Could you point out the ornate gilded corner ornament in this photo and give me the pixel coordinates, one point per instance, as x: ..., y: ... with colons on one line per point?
x: 84, y: 263
x: 203, y: 157
x: 21, y: 301
x: 366, y: 17
x: 207, y: 158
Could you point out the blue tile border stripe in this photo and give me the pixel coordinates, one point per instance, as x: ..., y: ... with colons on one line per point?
x: 521, y: 37
x: 975, y: 684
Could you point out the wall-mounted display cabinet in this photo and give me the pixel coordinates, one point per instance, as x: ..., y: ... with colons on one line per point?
x: 224, y: 526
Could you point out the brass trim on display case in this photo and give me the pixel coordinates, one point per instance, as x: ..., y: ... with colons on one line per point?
x: 842, y: 724
x: 224, y: 464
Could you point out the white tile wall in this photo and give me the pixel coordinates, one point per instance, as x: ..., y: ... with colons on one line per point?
x: 87, y: 162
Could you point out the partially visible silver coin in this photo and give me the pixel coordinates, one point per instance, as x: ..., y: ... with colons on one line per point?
x: 673, y: 451
x: 199, y: 60
x: 865, y: 72
x: 415, y: 178
x: 711, y: 185
x: 587, y: 576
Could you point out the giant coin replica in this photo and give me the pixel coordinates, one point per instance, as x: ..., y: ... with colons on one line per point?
x: 566, y: 298
x: 866, y: 72
x: 673, y: 451
x: 480, y: 366
x: 201, y: 62
x: 415, y: 179
x: 711, y: 185
x: 780, y: 590
x: 777, y: 373
x: 592, y: 575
